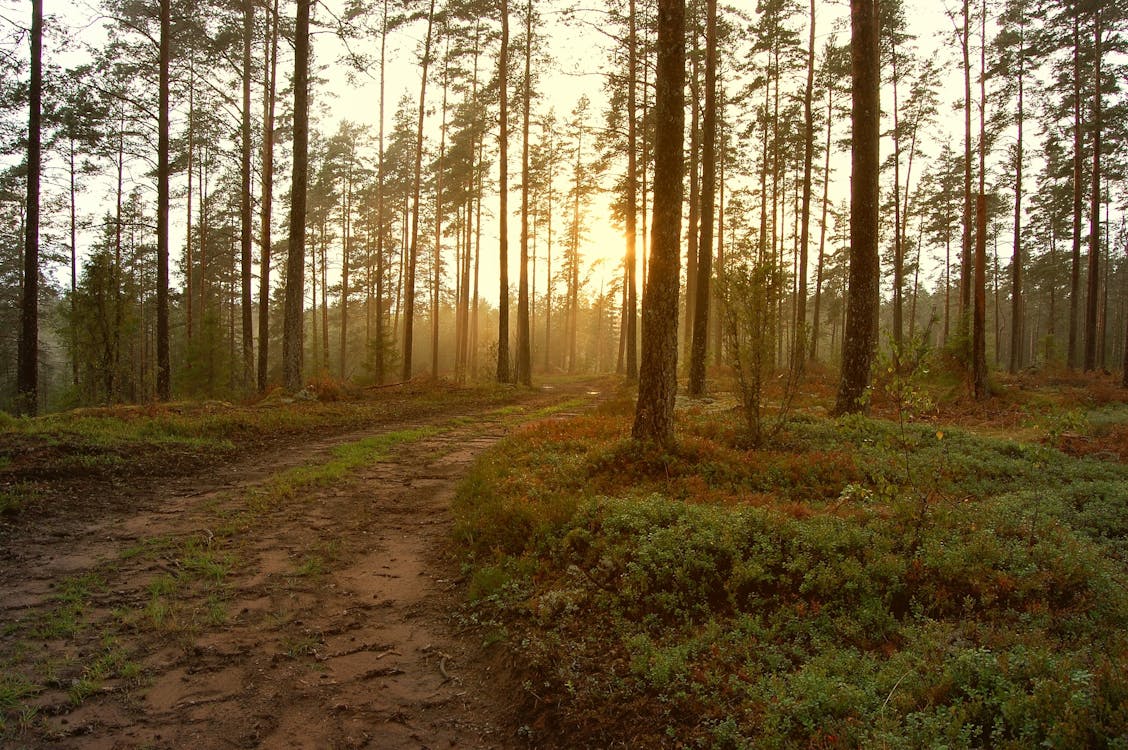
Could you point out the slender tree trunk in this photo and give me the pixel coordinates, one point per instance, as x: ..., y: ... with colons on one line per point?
x: 246, y: 207
x: 801, y: 328
x: 1016, y: 358
x: 164, y: 368
x: 1075, y: 268
x: 898, y: 247
x: 73, y: 266
x: 503, y: 201
x: 860, y: 334
x: 708, y: 208
x: 381, y: 224
x: 965, y: 258
x: 632, y: 195
x: 657, y: 388
x: 979, y: 315
x: 694, y: 213
x: 295, y: 265
x: 189, y: 270
x: 524, y: 345
x: 27, y: 379
x: 438, y: 265
x: 822, y: 225
x: 1092, y: 329
x: 409, y: 283
x: 346, y: 250
x: 270, y: 81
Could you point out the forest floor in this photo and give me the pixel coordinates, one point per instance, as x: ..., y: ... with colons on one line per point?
x: 297, y: 592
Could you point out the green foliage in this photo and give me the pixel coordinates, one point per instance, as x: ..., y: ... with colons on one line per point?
x: 714, y: 596
x: 751, y: 318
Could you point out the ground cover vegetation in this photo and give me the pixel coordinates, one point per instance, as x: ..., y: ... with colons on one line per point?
x: 943, y: 573
x: 41, y: 458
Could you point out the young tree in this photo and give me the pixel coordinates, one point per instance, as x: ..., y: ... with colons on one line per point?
x: 860, y: 336
x: 657, y: 387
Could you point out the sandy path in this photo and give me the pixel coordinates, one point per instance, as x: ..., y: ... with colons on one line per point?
x: 338, y: 622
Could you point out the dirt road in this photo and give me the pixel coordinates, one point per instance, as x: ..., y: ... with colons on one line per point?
x: 232, y: 610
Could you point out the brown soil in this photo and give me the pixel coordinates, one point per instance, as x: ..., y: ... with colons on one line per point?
x: 341, y: 623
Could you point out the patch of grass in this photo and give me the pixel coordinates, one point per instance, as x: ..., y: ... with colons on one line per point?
x: 311, y: 567
x: 297, y: 647
x: 859, y: 584
x: 14, y: 498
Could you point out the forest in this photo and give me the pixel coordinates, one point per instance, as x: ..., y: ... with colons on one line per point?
x: 647, y: 373
x: 163, y: 226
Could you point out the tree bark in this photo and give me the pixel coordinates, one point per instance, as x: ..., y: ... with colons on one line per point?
x: 524, y: 345
x: 409, y: 281
x: 860, y: 334
x: 1016, y: 359
x: 295, y: 262
x: 503, y: 202
x: 708, y: 208
x: 654, y: 412
x: 1092, y: 329
x: 1078, y: 159
x: 269, y: 88
x: 164, y: 371
x: 979, y: 315
x: 800, y: 349
x: 27, y: 378
x: 632, y: 195
x: 246, y: 207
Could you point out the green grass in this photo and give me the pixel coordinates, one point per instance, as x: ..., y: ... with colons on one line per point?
x: 855, y: 585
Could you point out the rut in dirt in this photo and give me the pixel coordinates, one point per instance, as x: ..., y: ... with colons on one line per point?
x: 333, y: 620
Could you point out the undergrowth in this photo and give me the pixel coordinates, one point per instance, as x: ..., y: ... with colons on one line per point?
x: 862, y: 583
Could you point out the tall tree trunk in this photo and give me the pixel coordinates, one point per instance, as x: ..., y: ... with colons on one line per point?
x: 860, y: 334
x: 27, y: 379
x: 1092, y: 329
x: 346, y: 249
x: 381, y: 225
x: 73, y: 265
x: 246, y: 207
x: 295, y: 262
x: 164, y: 368
x: 657, y: 387
x: 694, y: 213
x: 979, y: 315
x: 632, y: 195
x: 822, y: 224
x: 409, y: 281
x: 270, y: 76
x: 189, y: 272
x: 503, y: 201
x: 524, y: 345
x: 708, y: 204
x: 436, y: 281
x: 898, y: 247
x: 1078, y: 159
x: 1016, y: 351
x: 800, y: 351
x: 965, y: 257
